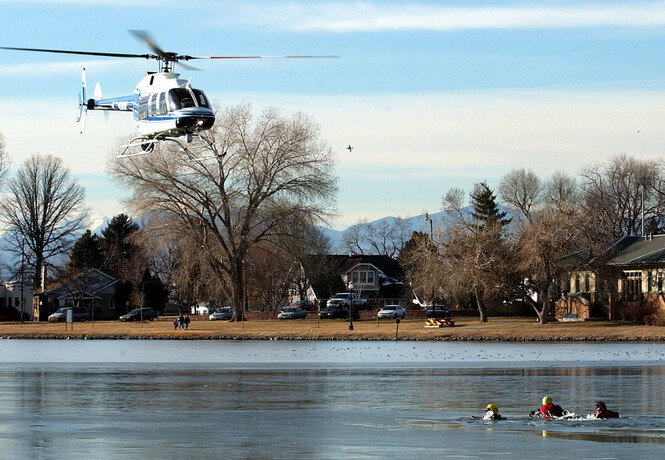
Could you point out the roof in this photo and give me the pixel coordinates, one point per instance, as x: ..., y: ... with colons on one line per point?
x: 636, y: 250
x: 90, y: 282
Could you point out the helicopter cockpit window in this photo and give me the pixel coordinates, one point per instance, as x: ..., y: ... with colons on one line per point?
x: 180, y: 98
x: 201, y: 99
x: 162, y: 104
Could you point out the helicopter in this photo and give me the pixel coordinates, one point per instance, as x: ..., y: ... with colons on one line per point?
x: 165, y: 107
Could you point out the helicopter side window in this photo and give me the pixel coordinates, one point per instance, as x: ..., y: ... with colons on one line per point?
x: 153, y: 105
x: 180, y: 98
x: 162, y: 103
x: 201, y: 99
x: 143, y: 108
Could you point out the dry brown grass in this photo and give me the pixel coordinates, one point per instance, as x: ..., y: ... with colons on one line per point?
x: 513, y: 329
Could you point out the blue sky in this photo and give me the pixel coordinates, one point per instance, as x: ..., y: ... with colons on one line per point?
x: 431, y: 94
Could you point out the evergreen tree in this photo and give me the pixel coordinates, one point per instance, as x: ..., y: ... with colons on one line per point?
x: 154, y: 294
x: 485, y: 210
x: 118, y: 248
x: 86, y: 253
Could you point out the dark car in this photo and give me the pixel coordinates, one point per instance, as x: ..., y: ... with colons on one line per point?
x: 438, y: 311
x: 305, y: 305
x: 334, y: 311
x: 138, y: 313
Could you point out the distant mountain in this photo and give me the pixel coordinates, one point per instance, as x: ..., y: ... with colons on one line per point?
x: 440, y: 221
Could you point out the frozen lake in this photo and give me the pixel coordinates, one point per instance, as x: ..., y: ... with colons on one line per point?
x: 300, y: 399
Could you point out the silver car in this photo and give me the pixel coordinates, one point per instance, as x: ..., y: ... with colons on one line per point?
x: 222, y: 314
x: 392, y: 311
x: 78, y: 314
x: 292, y: 313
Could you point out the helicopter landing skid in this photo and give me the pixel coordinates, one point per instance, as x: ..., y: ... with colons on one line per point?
x: 146, y: 145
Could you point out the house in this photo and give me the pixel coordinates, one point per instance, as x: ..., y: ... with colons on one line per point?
x: 10, y: 296
x: 624, y: 282
x: 93, y: 289
x: 375, y: 277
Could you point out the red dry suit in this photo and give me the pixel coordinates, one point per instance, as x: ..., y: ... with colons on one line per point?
x: 548, y: 410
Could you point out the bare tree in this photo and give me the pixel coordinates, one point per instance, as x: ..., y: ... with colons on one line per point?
x: 477, y: 259
x: 614, y: 194
x: 44, y: 208
x: 521, y: 189
x: 386, y: 237
x: 4, y: 159
x: 550, y: 227
x: 275, y: 172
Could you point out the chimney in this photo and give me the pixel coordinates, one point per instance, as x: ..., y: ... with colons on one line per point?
x: 43, y: 280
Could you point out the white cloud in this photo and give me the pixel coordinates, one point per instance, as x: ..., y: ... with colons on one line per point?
x: 63, y: 68
x: 380, y: 16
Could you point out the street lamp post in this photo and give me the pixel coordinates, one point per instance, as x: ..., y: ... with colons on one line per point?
x: 22, y: 277
x: 350, y: 286
x: 431, y: 237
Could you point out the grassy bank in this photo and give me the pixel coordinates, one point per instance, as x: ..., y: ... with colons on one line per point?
x: 512, y: 329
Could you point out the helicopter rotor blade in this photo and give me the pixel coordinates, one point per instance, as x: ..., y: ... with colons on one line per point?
x: 85, y: 53
x: 312, y: 56
x: 187, y: 66
x: 145, y: 37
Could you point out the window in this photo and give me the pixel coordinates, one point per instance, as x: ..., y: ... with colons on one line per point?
x: 201, y: 99
x: 180, y: 98
x: 162, y: 104
x: 586, y: 282
x: 143, y: 108
x: 363, y: 277
x: 153, y: 105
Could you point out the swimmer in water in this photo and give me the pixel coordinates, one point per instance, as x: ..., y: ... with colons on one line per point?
x: 603, y: 412
x: 492, y: 413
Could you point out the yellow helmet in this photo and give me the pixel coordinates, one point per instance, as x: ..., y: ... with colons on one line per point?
x: 493, y: 408
x: 547, y: 400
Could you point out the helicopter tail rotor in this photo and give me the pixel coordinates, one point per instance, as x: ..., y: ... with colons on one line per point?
x: 83, y: 104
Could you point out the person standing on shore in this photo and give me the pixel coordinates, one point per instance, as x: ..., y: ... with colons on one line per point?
x: 181, y: 321
x: 186, y: 320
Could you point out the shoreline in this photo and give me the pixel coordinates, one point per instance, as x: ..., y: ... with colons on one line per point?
x: 511, y: 329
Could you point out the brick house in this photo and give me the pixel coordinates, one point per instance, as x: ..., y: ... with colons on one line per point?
x: 624, y: 282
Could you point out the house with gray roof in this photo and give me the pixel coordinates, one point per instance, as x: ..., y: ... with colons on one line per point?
x: 624, y: 282
x: 378, y: 278
x: 93, y: 289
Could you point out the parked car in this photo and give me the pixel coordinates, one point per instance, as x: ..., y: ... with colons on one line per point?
x: 305, y: 305
x: 438, y: 311
x: 79, y: 314
x: 392, y: 311
x: 345, y: 299
x: 292, y: 313
x: 334, y: 311
x: 222, y: 314
x: 138, y: 313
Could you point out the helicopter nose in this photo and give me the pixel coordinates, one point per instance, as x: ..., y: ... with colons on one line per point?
x: 195, y: 122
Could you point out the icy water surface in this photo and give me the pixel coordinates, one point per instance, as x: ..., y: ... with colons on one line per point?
x: 161, y: 399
